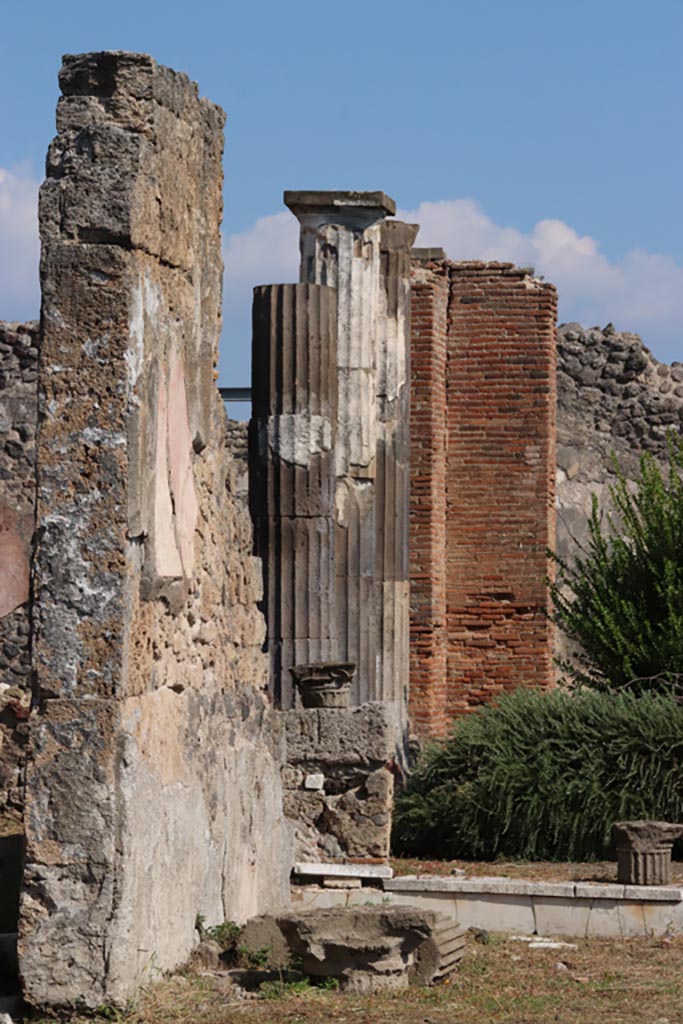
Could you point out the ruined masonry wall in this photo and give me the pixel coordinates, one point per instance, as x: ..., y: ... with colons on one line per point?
x: 498, y: 428
x: 338, y: 780
x: 500, y: 483
x: 153, y: 787
x: 19, y: 345
x: 613, y: 397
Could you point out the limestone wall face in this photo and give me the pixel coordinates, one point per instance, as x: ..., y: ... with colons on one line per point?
x: 19, y: 345
x: 153, y: 789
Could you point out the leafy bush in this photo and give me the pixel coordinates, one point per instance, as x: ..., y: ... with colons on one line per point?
x: 623, y: 601
x: 544, y: 776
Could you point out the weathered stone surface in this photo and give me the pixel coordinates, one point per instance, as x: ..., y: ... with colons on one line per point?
x: 393, y: 462
x: 371, y: 948
x: 326, y: 684
x: 19, y: 349
x: 153, y: 792
x: 262, y: 933
x: 361, y: 736
x: 351, y: 752
x: 644, y: 851
x: 206, y: 956
x: 347, y: 244
x: 342, y: 872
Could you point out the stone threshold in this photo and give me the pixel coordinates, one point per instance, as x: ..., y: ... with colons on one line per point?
x: 334, y: 869
x: 519, y: 887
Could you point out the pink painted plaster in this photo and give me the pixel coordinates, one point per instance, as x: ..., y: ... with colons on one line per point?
x: 180, y: 458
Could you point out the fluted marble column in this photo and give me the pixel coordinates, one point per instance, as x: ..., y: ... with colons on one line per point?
x: 292, y: 442
x: 346, y: 242
x: 392, y: 486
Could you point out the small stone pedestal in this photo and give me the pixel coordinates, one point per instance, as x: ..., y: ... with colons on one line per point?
x: 644, y: 851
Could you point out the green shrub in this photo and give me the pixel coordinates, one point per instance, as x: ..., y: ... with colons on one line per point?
x: 544, y: 776
x: 623, y: 599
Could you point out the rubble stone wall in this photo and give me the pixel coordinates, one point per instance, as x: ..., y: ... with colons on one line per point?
x: 499, y: 409
x: 614, y: 397
x: 19, y: 346
x: 338, y: 781
x: 153, y: 786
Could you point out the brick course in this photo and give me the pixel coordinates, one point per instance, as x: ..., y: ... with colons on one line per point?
x: 428, y: 629
x: 482, y: 485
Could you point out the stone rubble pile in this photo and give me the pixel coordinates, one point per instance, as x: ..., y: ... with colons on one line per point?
x: 367, y: 948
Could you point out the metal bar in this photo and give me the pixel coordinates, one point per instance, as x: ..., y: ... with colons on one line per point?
x: 235, y: 394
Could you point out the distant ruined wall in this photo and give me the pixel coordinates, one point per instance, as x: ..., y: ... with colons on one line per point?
x: 153, y: 787
x: 613, y: 397
x: 19, y: 345
x: 489, y: 436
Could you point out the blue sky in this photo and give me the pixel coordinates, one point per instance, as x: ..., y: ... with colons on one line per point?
x: 546, y: 133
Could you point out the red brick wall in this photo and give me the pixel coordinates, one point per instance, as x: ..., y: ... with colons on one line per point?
x: 427, y: 538
x: 498, y: 521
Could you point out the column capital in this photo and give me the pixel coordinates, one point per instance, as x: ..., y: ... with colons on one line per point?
x: 354, y: 209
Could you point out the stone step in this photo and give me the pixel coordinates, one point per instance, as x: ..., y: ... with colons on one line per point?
x: 450, y: 941
x: 451, y: 946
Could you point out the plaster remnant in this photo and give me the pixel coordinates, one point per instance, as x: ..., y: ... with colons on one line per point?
x: 295, y: 438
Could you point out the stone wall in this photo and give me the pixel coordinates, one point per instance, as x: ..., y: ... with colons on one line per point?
x: 19, y: 345
x: 478, y: 563
x: 153, y: 787
x: 614, y: 397
x: 339, y: 781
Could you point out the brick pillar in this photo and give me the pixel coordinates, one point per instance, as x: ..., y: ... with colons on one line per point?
x: 292, y: 487
x: 500, y: 480
x: 482, y: 484
x: 428, y: 631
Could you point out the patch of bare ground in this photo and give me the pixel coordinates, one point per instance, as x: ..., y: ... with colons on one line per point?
x: 532, y: 871
x: 638, y: 981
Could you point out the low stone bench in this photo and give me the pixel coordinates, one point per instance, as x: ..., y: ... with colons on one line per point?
x: 518, y: 906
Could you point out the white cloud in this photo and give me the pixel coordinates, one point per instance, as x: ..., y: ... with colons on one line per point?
x: 266, y: 253
x: 642, y: 292
x: 19, y: 248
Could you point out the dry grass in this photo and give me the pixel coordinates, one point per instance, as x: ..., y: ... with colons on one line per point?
x: 602, y: 982
x: 533, y: 871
